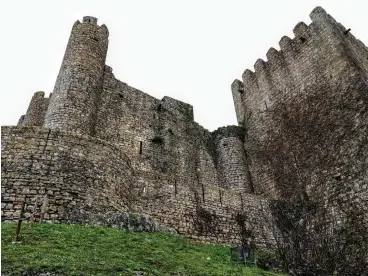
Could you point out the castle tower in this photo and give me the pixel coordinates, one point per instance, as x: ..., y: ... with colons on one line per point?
x: 79, y: 83
x: 304, y: 107
x: 231, y: 158
x: 36, y: 111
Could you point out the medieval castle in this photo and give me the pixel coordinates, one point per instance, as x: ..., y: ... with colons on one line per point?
x: 97, y: 145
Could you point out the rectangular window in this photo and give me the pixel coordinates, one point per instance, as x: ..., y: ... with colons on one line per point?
x: 220, y: 194
x: 203, y: 193
x: 241, y: 202
x: 140, y: 147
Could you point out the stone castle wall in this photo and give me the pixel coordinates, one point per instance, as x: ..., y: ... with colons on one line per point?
x: 217, y: 218
x: 76, y: 172
x: 103, y: 145
x: 85, y: 177
x: 305, y: 111
x: 160, y: 137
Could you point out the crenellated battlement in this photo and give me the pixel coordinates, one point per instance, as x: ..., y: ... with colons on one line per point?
x: 248, y: 78
x: 301, y: 31
x: 90, y: 20
x: 312, y: 48
x: 39, y: 94
x: 302, y: 117
x: 281, y: 93
x: 90, y: 30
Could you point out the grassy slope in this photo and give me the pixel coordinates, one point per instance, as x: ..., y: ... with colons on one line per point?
x: 87, y: 250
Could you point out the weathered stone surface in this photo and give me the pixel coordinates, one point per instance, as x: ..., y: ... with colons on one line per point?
x: 105, y: 148
x: 80, y: 80
x: 306, y: 112
x: 36, y: 112
x: 130, y: 221
x: 87, y: 179
x: 76, y: 172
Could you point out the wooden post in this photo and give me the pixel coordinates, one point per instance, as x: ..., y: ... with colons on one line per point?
x: 17, y: 231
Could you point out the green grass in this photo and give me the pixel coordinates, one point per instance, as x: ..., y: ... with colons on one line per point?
x: 88, y: 250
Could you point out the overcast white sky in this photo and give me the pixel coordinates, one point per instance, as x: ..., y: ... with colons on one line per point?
x: 188, y: 50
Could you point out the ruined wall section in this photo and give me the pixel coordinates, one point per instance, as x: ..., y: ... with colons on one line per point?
x: 306, y: 109
x: 73, y: 106
x: 36, y: 111
x: 82, y: 176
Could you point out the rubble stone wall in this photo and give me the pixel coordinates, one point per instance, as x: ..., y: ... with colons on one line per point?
x: 305, y: 111
x: 85, y: 177
x: 217, y: 218
x: 74, y: 102
x: 78, y: 173
x: 36, y: 111
x: 104, y: 146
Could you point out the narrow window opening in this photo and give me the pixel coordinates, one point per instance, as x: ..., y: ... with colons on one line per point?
x: 266, y: 105
x: 302, y: 39
x: 175, y: 187
x: 154, y: 116
x: 241, y: 202
x: 140, y: 147
x: 203, y: 193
